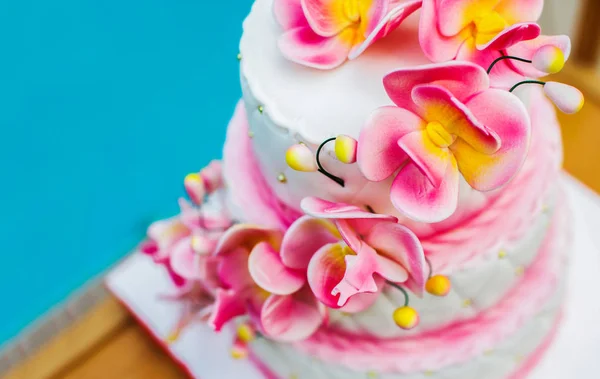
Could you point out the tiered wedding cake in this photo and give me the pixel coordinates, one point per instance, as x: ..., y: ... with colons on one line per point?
x: 388, y: 205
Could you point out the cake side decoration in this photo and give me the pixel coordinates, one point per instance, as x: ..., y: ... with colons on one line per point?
x: 323, y: 34
x: 184, y: 246
x: 447, y: 121
x: 257, y: 282
x: 372, y: 244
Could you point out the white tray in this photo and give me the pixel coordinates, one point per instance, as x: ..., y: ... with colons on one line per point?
x: 137, y: 282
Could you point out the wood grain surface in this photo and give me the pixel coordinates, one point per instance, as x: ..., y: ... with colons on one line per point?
x: 108, y: 344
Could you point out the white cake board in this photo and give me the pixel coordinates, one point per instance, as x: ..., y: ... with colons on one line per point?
x: 137, y: 283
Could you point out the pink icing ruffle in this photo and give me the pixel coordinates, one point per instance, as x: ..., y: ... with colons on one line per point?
x: 247, y: 187
x: 536, y: 357
x: 522, y: 372
x: 460, y: 341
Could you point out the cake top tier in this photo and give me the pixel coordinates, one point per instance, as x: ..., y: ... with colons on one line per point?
x: 423, y: 101
x: 315, y: 104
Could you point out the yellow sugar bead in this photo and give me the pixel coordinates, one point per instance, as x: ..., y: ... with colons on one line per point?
x: 345, y: 149
x: 245, y: 333
x: 239, y: 353
x: 406, y: 318
x: 300, y: 158
x: 438, y: 285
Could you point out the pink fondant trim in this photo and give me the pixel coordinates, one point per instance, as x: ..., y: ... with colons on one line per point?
x: 246, y: 185
x: 536, y: 357
x: 459, y: 341
x: 530, y: 363
x: 262, y: 367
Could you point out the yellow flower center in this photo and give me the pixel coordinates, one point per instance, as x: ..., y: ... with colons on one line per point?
x: 488, y: 26
x: 352, y: 10
x: 355, y: 14
x: 438, y: 135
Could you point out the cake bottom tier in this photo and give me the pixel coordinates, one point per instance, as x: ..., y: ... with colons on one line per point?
x: 512, y: 356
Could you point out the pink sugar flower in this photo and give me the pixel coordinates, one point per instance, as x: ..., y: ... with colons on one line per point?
x: 375, y: 248
x: 254, y: 280
x: 324, y: 33
x: 446, y: 121
x: 480, y: 31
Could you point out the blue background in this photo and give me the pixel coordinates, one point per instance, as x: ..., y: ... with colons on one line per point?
x: 105, y: 105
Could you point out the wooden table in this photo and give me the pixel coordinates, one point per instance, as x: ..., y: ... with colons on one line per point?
x: 107, y: 342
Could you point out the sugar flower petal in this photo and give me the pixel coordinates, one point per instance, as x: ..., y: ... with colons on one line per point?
x: 305, y: 47
x: 228, y: 305
x: 304, y: 238
x: 326, y: 17
x: 378, y: 153
x: 510, y: 36
x: 233, y: 270
x: 185, y: 262
x: 455, y: 15
x: 269, y: 272
x: 437, y: 104
x: 212, y: 176
x: 488, y: 172
x: 502, y: 76
x: 388, y: 23
x: 326, y: 270
x: 399, y: 244
x: 515, y: 11
x: 431, y: 159
x: 328, y: 210
x: 292, y: 318
x: 461, y: 79
x: 436, y: 46
x: 413, y: 194
x: 289, y: 13
x: 246, y: 236
x: 360, y: 271
x: 166, y: 233
x: 363, y: 301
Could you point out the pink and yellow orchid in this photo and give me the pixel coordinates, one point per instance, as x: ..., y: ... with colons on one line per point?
x: 323, y: 34
x: 480, y: 31
x: 255, y: 280
x: 375, y: 248
x: 446, y: 121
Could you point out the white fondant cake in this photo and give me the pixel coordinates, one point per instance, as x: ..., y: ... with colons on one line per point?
x: 390, y: 208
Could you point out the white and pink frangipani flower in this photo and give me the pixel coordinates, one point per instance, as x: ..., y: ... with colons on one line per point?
x: 254, y: 280
x: 323, y: 34
x: 375, y: 248
x: 481, y: 31
x: 446, y: 121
